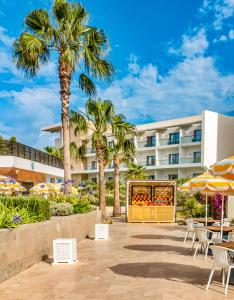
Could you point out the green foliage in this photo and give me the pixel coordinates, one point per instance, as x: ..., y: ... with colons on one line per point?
x: 12, y: 139
x: 135, y: 172
x: 182, y: 180
x: 38, y: 207
x: 181, y: 198
x: 61, y: 209
x: 54, y: 151
x: 82, y: 206
x: 110, y: 184
x: 192, y: 208
x: 109, y: 200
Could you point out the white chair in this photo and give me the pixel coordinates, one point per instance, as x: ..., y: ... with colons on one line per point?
x: 191, y: 225
x: 231, y: 236
x: 222, y: 260
x: 203, y: 240
x: 226, y: 223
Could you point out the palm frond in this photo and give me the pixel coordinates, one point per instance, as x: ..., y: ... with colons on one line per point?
x: 38, y: 21
x: 29, y: 51
x: 77, y: 152
x: 87, y: 85
x: 79, y: 122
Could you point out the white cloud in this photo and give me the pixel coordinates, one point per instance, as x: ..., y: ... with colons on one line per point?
x: 5, y: 39
x: 191, y: 86
x: 194, y: 45
x: 221, y: 10
x: 231, y: 34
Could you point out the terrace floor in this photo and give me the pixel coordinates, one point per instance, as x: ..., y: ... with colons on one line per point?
x: 140, y: 261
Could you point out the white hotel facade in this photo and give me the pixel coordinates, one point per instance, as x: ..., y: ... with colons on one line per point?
x: 172, y: 149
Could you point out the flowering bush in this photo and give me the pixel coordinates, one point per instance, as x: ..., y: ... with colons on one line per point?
x: 61, y: 209
x: 217, y: 205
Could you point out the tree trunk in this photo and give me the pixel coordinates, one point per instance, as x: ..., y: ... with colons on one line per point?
x: 116, y: 208
x: 65, y: 82
x: 102, y: 198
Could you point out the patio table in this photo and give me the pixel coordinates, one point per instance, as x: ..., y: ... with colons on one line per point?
x: 229, y: 245
x: 203, y: 220
x: 226, y: 229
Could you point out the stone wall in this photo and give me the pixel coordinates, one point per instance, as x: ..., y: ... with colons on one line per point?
x: 21, y: 248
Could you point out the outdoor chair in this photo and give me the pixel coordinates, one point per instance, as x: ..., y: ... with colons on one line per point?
x: 226, y: 223
x: 203, y: 240
x: 231, y: 236
x: 222, y: 260
x: 191, y: 225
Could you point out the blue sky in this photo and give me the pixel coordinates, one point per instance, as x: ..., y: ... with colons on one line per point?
x: 173, y: 58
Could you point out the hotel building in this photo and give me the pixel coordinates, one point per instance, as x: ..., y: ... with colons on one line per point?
x: 172, y: 149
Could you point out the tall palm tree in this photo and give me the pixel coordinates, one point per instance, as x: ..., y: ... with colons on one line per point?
x: 135, y: 172
x: 122, y: 150
x: 79, y: 47
x: 97, y: 119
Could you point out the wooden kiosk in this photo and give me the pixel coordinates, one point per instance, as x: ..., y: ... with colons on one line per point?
x: 151, y: 201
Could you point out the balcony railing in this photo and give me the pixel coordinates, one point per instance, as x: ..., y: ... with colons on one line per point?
x: 90, y: 150
x: 11, y: 148
x: 91, y: 167
x: 190, y: 160
x: 164, y: 142
x: 147, y: 163
x: 145, y: 144
x: 190, y: 139
x: 164, y: 162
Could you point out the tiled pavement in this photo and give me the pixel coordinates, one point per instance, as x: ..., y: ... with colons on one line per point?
x: 140, y: 261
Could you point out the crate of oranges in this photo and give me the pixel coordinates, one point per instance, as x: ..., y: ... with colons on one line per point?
x: 142, y: 200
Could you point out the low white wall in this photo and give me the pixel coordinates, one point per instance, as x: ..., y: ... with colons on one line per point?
x: 22, y: 247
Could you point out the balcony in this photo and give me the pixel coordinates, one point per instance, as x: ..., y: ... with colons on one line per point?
x: 10, y: 148
x: 167, y: 162
x: 90, y: 150
x: 190, y: 160
x: 145, y: 144
x: 190, y: 139
x: 147, y: 163
x: 92, y: 168
x: 166, y: 142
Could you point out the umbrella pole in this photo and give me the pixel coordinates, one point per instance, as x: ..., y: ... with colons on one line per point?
x: 206, y: 210
x: 222, y: 217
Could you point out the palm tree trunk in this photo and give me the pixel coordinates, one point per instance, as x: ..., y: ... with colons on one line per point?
x: 102, y: 198
x: 65, y: 83
x: 116, y: 209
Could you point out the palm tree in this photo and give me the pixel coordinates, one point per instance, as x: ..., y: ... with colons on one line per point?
x: 97, y: 119
x: 122, y: 150
x: 135, y: 172
x: 79, y: 47
x: 54, y: 151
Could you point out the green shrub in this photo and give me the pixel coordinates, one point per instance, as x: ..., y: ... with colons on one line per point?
x: 61, y: 209
x: 12, y: 217
x: 192, y: 208
x: 109, y: 200
x: 37, y: 207
x: 82, y: 206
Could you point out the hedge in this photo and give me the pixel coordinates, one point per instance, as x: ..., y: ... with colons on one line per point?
x: 35, y: 205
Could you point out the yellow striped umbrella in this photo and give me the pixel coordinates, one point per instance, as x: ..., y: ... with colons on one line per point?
x: 209, y: 184
x: 60, y: 188
x: 9, y: 185
x: 224, y: 168
x: 185, y: 187
x: 44, y: 188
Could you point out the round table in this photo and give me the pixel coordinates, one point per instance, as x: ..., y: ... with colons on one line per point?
x: 226, y: 229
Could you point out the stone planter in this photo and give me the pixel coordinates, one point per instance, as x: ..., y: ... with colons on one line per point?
x: 22, y: 247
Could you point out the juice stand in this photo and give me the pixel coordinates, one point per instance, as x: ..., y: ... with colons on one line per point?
x: 151, y: 201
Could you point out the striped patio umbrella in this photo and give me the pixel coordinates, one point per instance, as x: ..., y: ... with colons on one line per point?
x: 44, y: 189
x: 185, y: 187
x: 224, y: 168
x: 209, y: 184
x: 9, y: 185
x: 60, y: 188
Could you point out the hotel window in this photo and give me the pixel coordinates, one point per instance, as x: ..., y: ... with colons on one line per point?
x: 150, y: 141
x: 151, y: 177
x: 173, y: 158
x: 94, y: 180
x: 196, y: 174
x: 197, y: 134
x: 150, y: 160
x: 197, y: 157
x: 111, y: 144
x: 110, y: 178
x: 172, y: 176
x: 93, y: 165
x: 174, y: 138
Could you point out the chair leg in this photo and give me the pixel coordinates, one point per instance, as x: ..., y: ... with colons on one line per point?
x: 210, y: 277
x: 195, y: 253
x: 223, y: 277
x: 194, y: 239
x: 207, y: 249
x: 186, y: 235
x: 227, y: 283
